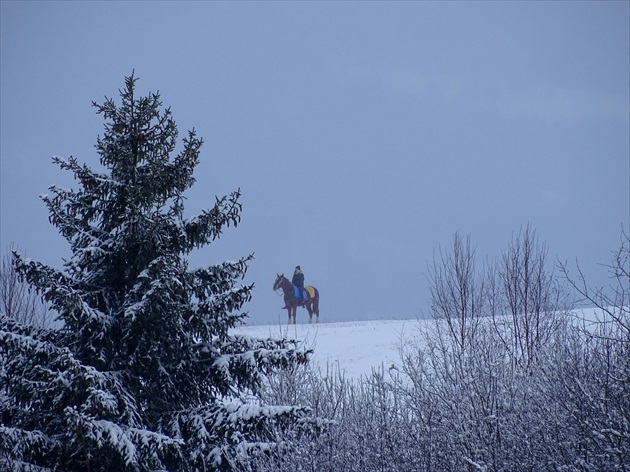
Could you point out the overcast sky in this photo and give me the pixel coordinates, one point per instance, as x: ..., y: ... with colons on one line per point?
x: 362, y: 135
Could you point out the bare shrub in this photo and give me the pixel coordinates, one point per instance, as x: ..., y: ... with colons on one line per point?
x: 457, y: 290
x: 17, y: 300
x: 528, y: 301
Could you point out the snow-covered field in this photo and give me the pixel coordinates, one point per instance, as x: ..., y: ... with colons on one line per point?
x: 354, y: 346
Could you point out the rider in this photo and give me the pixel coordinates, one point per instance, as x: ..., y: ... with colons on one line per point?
x: 298, y: 281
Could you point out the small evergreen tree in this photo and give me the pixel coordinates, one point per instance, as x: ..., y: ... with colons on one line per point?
x: 144, y: 374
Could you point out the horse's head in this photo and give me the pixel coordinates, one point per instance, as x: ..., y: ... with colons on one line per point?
x: 278, y: 283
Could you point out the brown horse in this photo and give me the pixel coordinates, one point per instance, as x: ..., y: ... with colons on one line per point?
x: 291, y: 302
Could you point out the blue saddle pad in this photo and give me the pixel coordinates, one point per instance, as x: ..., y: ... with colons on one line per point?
x: 296, y: 292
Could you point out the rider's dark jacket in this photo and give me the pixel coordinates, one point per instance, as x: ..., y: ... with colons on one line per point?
x: 298, y: 279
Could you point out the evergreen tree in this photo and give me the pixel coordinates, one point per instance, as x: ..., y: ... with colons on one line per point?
x: 145, y: 373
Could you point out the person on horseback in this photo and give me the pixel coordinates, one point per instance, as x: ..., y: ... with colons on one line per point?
x: 298, y: 281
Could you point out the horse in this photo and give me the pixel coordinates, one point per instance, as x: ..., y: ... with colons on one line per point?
x: 291, y: 302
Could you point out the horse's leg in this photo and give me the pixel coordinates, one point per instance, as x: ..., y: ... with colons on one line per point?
x: 309, y: 308
x: 289, y: 314
x: 294, y: 312
x: 316, y: 309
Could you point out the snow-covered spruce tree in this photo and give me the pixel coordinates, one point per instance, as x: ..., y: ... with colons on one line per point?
x: 144, y: 374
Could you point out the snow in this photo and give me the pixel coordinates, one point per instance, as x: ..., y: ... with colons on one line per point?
x: 356, y: 347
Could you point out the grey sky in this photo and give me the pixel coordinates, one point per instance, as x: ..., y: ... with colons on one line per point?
x: 362, y: 135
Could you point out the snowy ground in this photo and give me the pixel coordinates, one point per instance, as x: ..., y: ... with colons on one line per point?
x: 355, y: 346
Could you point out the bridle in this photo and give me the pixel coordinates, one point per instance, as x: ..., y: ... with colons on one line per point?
x: 277, y: 285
